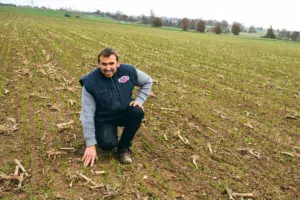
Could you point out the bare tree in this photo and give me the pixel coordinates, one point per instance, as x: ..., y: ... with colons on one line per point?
x: 193, y: 24
x: 200, y: 26
x: 152, y: 15
x: 295, y: 36
x: 144, y: 19
x: 252, y: 29
x: 156, y: 22
x: 224, y: 25
x: 98, y: 12
x: 284, y: 35
x: 270, y: 33
x: 218, y: 28
x: 185, y: 24
x: 236, y: 28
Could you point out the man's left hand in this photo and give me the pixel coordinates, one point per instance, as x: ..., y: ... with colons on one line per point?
x: 136, y: 103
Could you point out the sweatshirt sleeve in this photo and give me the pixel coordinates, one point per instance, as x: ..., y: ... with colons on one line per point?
x: 144, y: 81
x: 88, y: 108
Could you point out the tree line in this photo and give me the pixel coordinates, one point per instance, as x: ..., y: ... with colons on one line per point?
x: 186, y: 24
x: 200, y: 25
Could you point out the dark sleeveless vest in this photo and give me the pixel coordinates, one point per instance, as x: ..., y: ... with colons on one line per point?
x: 112, y: 95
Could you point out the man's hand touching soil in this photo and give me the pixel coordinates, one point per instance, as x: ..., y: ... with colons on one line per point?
x: 90, y: 155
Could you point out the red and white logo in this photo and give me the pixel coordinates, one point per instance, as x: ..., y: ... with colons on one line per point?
x: 123, y: 79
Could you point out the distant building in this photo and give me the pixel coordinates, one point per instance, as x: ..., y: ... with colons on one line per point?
x: 8, y: 4
x: 173, y: 20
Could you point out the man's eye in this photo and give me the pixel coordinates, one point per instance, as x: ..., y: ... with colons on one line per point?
x: 111, y: 63
x: 103, y: 64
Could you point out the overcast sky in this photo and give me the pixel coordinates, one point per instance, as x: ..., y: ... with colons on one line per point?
x: 279, y: 14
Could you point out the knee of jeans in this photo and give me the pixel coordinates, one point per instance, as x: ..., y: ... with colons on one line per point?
x: 138, y: 112
x: 107, y: 146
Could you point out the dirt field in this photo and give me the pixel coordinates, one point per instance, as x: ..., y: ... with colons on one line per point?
x: 224, y: 121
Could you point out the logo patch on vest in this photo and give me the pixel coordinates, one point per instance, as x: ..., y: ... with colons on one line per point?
x: 123, y: 79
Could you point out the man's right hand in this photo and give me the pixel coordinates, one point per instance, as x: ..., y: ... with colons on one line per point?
x: 90, y: 155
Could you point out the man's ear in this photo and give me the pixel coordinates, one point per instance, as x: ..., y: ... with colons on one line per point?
x: 118, y: 64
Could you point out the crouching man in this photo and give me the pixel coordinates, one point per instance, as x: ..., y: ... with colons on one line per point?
x: 107, y: 103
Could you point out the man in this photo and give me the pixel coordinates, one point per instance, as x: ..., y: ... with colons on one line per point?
x: 107, y: 103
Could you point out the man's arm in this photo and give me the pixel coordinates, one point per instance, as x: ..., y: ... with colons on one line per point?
x: 144, y: 81
x: 88, y: 108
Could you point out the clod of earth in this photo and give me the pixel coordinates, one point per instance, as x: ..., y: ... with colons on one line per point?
x: 3, y: 129
x: 100, y: 172
x: 59, y: 196
x: 43, y: 72
x: 95, y: 185
x: 249, y: 113
x: 165, y: 136
x: 65, y: 88
x: 195, y: 157
x: 53, y: 154
x: 249, y: 125
x: 71, y: 101
x: 17, y: 170
x: 25, y: 71
x: 213, y: 130
x: 13, y: 120
x: 169, y: 109
x: 66, y: 125
x: 151, y: 94
x: 6, y: 129
x: 108, y: 195
x: 229, y: 192
x: 209, y: 148
x: 75, y: 112
x: 291, y: 154
x: 13, y: 178
x: 250, y: 151
x: 66, y: 148
x: 38, y: 95
x: 183, y: 139
x: 14, y: 127
x: 60, y: 88
x: 232, y: 195
x: 21, y: 166
x: 155, y: 81
x: 40, y: 110
x: 194, y: 126
x: 54, y: 108
x: 219, y: 113
x: 289, y: 116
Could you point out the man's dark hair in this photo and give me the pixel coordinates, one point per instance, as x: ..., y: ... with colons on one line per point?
x: 108, y: 52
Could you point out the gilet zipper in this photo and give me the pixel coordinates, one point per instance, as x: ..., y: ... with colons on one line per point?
x: 118, y: 95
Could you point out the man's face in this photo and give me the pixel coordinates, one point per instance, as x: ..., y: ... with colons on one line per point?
x: 108, y: 65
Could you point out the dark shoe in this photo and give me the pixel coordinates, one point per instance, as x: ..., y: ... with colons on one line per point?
x: 125, y: 156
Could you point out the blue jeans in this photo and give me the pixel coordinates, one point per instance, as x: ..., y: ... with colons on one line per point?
x: 107, y: 133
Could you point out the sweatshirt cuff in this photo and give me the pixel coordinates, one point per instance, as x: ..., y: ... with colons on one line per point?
x: 90, y: 141
x: 140, y: 100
